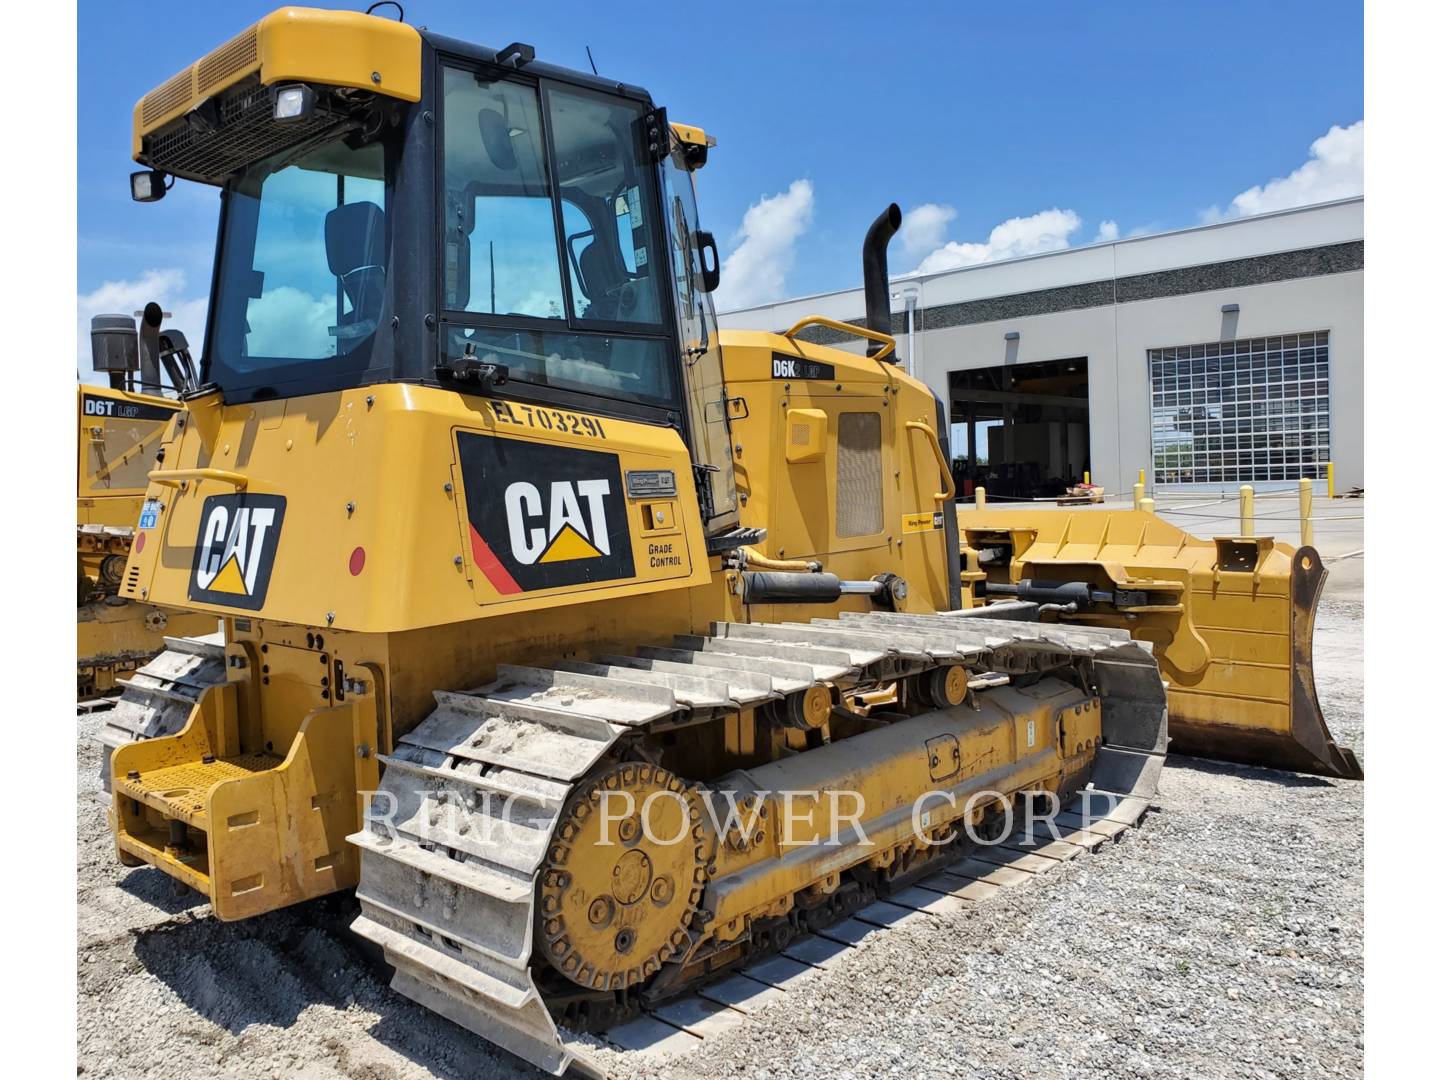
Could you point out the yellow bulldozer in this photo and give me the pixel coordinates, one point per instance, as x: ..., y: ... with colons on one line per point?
x: 118, y: 427
x: 599, y: 651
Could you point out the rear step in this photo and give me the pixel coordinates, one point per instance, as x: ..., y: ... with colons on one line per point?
x: 158, y: 698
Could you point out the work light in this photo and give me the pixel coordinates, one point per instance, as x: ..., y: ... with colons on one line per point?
x: 294, y: 102
x: 148, y: 185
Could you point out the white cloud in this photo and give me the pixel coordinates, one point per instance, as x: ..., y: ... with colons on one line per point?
x: 922, y: 229
x: 287, y: 321
x: 754, y: 273
x: 1334, y: 170
x: 165, y: 287
x: 1108, y: 231
x: 1049, y: 230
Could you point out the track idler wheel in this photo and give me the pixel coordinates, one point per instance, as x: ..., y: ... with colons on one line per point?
x: 943, y: 687
x: 623, y: 878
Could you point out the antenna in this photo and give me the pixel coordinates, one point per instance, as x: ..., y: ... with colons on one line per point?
x: 591, y: 58
x: 492, y: 277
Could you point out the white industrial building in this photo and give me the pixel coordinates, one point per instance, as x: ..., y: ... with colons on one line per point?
x: 1210, y: 357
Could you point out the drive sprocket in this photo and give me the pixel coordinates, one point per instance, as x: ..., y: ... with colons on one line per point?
x: 623, y: 877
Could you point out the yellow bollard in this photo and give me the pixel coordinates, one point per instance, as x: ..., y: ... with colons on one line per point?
x: 1138, y: 494
x: 979, y: 498
x: 1330, y: 478
x: 1087, y: 476
x: 1247, y: 510
x: 1142, y: 478
x: 1148, y: 505
x: 1307, y: 527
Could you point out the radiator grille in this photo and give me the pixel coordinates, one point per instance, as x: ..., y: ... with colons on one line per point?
x: 168, y: 95
x: 235, y: 55
x: 859, y: 510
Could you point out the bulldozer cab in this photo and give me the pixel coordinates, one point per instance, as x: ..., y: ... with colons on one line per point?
x: 459, y: 217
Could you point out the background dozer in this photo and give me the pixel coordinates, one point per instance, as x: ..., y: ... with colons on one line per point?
x: 504, y: 533
x: 119, y: 429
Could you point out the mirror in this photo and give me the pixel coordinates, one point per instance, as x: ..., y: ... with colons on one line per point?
x: 709, y: 265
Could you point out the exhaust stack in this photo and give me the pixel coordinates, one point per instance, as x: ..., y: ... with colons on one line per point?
x: 877, y: 273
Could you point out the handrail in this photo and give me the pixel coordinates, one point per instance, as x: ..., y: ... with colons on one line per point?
x: 175, y: 477
x: 949, y: 481
x: 845, y: 328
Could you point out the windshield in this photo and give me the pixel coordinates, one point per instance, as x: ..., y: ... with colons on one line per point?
x: 550, y: 259
x: 302, y: 272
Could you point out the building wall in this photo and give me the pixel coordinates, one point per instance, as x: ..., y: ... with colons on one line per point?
x: 1116, y: 339
x: 1290, y: 272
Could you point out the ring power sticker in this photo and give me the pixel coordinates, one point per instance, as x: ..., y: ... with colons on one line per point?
x: 649, y: 483
x: 149, y: 513
x: 556, y: 516
x: 235, y: 549
x: 926, y: 521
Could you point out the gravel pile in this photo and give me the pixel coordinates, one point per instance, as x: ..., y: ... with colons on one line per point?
x: 1224, y: 938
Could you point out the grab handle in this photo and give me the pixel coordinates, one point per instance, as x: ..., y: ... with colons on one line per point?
x: 886, y: 341
x: 946, y: 478
x: 176, y: 477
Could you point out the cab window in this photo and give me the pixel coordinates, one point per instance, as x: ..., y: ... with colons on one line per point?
x: 549, y: 264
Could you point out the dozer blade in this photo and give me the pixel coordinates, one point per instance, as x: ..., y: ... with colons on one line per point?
x: 1306, y: 746
x: 1231, y: 619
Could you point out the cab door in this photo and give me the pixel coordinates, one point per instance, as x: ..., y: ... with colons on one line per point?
x: 706, y: 400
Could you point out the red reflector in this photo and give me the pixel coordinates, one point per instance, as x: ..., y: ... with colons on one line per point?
x: 140, y: 541
x: 357, y: 561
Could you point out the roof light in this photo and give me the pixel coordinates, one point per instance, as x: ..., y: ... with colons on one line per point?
x: 294, y: 102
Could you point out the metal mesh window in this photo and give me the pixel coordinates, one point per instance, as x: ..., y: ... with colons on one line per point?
x: 859, y: 509
x: 1239, y: 412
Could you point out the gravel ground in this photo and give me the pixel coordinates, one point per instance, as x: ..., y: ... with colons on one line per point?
x: 1224, y: 938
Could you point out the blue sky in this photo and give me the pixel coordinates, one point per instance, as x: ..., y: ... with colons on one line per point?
x: 1081, y: 120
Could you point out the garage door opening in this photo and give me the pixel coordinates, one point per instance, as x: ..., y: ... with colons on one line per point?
x: 1021, y: 431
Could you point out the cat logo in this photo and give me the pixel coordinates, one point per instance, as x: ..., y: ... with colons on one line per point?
x: 235, y: 549
x: 541, y: 516
x: 567, y: 532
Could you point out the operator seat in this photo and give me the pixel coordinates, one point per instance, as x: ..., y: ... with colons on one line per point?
x: 355, y: 249
x: 598, y: 275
